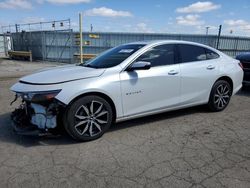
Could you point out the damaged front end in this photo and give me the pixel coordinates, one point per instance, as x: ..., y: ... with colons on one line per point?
x: 38, y: 113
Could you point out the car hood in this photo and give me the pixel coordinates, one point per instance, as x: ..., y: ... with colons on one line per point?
x: 61, y: 74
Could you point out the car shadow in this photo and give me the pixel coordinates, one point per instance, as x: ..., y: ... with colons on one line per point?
x: 158, y: 117
x: 8, y: 135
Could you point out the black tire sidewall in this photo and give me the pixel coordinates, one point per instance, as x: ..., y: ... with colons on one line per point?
x: 212, y: 106
x: 70, y: 113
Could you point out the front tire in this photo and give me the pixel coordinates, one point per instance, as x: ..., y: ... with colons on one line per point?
x: 220, y: 96
x: 88, y: 118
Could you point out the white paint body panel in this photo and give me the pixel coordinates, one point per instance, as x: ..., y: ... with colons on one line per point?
x: 62, y: 74
x: 197, y: 80
x: 138, y: 87
x: 141, y: 92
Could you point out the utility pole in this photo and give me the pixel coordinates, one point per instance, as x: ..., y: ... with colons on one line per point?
x: 218, y: 38
x: 81, y: 40
x: 91, y: 28
x: 16, y: 28
x: 207, y: 30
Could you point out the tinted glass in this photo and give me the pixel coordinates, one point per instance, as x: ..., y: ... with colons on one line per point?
x: 211, y: 54
x: 114, y: 56
x: 159, y: 55
x: 191, y: 53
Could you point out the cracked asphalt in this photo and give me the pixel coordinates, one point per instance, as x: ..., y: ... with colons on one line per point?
x: 184, y: 148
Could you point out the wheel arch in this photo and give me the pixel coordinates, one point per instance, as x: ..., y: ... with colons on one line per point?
x: 99, y: 94
x: 211, y: 102
x: 228, y: 79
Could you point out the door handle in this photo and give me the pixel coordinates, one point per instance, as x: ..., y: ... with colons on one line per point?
x: 210, y: 67
x: 173, y: 72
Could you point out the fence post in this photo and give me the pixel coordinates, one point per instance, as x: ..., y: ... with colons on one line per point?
x: 218, y: 39
x: 81, y: 41
x: 71, y: 53
x: 236, y: 45
x: 43, y: 40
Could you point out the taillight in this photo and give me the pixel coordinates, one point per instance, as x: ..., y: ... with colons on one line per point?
x: 240, y: 64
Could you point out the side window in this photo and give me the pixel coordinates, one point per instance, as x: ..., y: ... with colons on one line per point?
x: 211, y: 54
x: 159, y: 55
x: 191, y: 53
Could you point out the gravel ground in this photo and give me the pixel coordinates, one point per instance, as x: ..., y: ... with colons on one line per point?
x: 184, y: 148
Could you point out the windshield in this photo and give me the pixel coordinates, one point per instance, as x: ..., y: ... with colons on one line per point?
x: 113, y: 57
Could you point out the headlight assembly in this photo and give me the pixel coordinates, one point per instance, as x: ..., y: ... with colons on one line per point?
x: 39, y: 96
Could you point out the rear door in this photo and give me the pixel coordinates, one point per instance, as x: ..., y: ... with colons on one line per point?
x: 198, y: 73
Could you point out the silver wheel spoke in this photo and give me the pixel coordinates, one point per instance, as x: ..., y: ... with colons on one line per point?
x: 91, y: 129
x: 217, y: 101
x: 224, y: 101
x: 222, y: 96
x: 102, y: 113
x: 221, y: 90
x: 80, y: 123
x: 101, y: 121
x: 92, y: 108
x: 218, y: 91
x: 98, y: 126
x: 86, y: 110
x: 220, y: 103
x: 85, y: 129
x: 90, y: 118
x: 224, y: 89
x: 81, y: 117
x: 99, y: 109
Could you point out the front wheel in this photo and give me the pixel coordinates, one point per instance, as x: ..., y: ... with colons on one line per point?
x: 220, y: 96
x: 88, y: 118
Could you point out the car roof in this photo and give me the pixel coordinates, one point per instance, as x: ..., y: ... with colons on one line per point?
x: 158, y: 42
x: 155, y: 42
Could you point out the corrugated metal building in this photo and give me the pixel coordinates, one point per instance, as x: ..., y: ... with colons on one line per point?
x: 61, y: 46
x: 2, y: 50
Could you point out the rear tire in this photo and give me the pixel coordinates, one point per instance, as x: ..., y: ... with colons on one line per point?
x: 88, y: 118
x: 220, y: 96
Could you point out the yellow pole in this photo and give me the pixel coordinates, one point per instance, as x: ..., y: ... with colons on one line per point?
x: 81, y: 39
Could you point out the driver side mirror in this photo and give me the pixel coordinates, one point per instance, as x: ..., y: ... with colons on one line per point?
x: 139, y: 65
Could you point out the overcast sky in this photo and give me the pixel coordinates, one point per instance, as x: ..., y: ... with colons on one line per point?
x: 161, y: 16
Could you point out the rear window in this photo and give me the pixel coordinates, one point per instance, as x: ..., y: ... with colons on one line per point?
x: 211, y: 54
x: 191, y: 53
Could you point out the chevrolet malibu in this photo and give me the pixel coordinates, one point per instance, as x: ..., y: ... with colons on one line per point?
x: 125, y: 82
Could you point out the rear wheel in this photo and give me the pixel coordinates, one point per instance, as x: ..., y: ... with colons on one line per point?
x: 220, y: 96
x: 88, y: 118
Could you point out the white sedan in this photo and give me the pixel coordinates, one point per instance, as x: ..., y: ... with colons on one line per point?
x: 125, y: 82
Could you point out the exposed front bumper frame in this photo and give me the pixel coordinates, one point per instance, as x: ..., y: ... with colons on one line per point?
x: 22, y: 126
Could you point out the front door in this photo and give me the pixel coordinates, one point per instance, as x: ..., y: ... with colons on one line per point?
x: 153, y: 89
